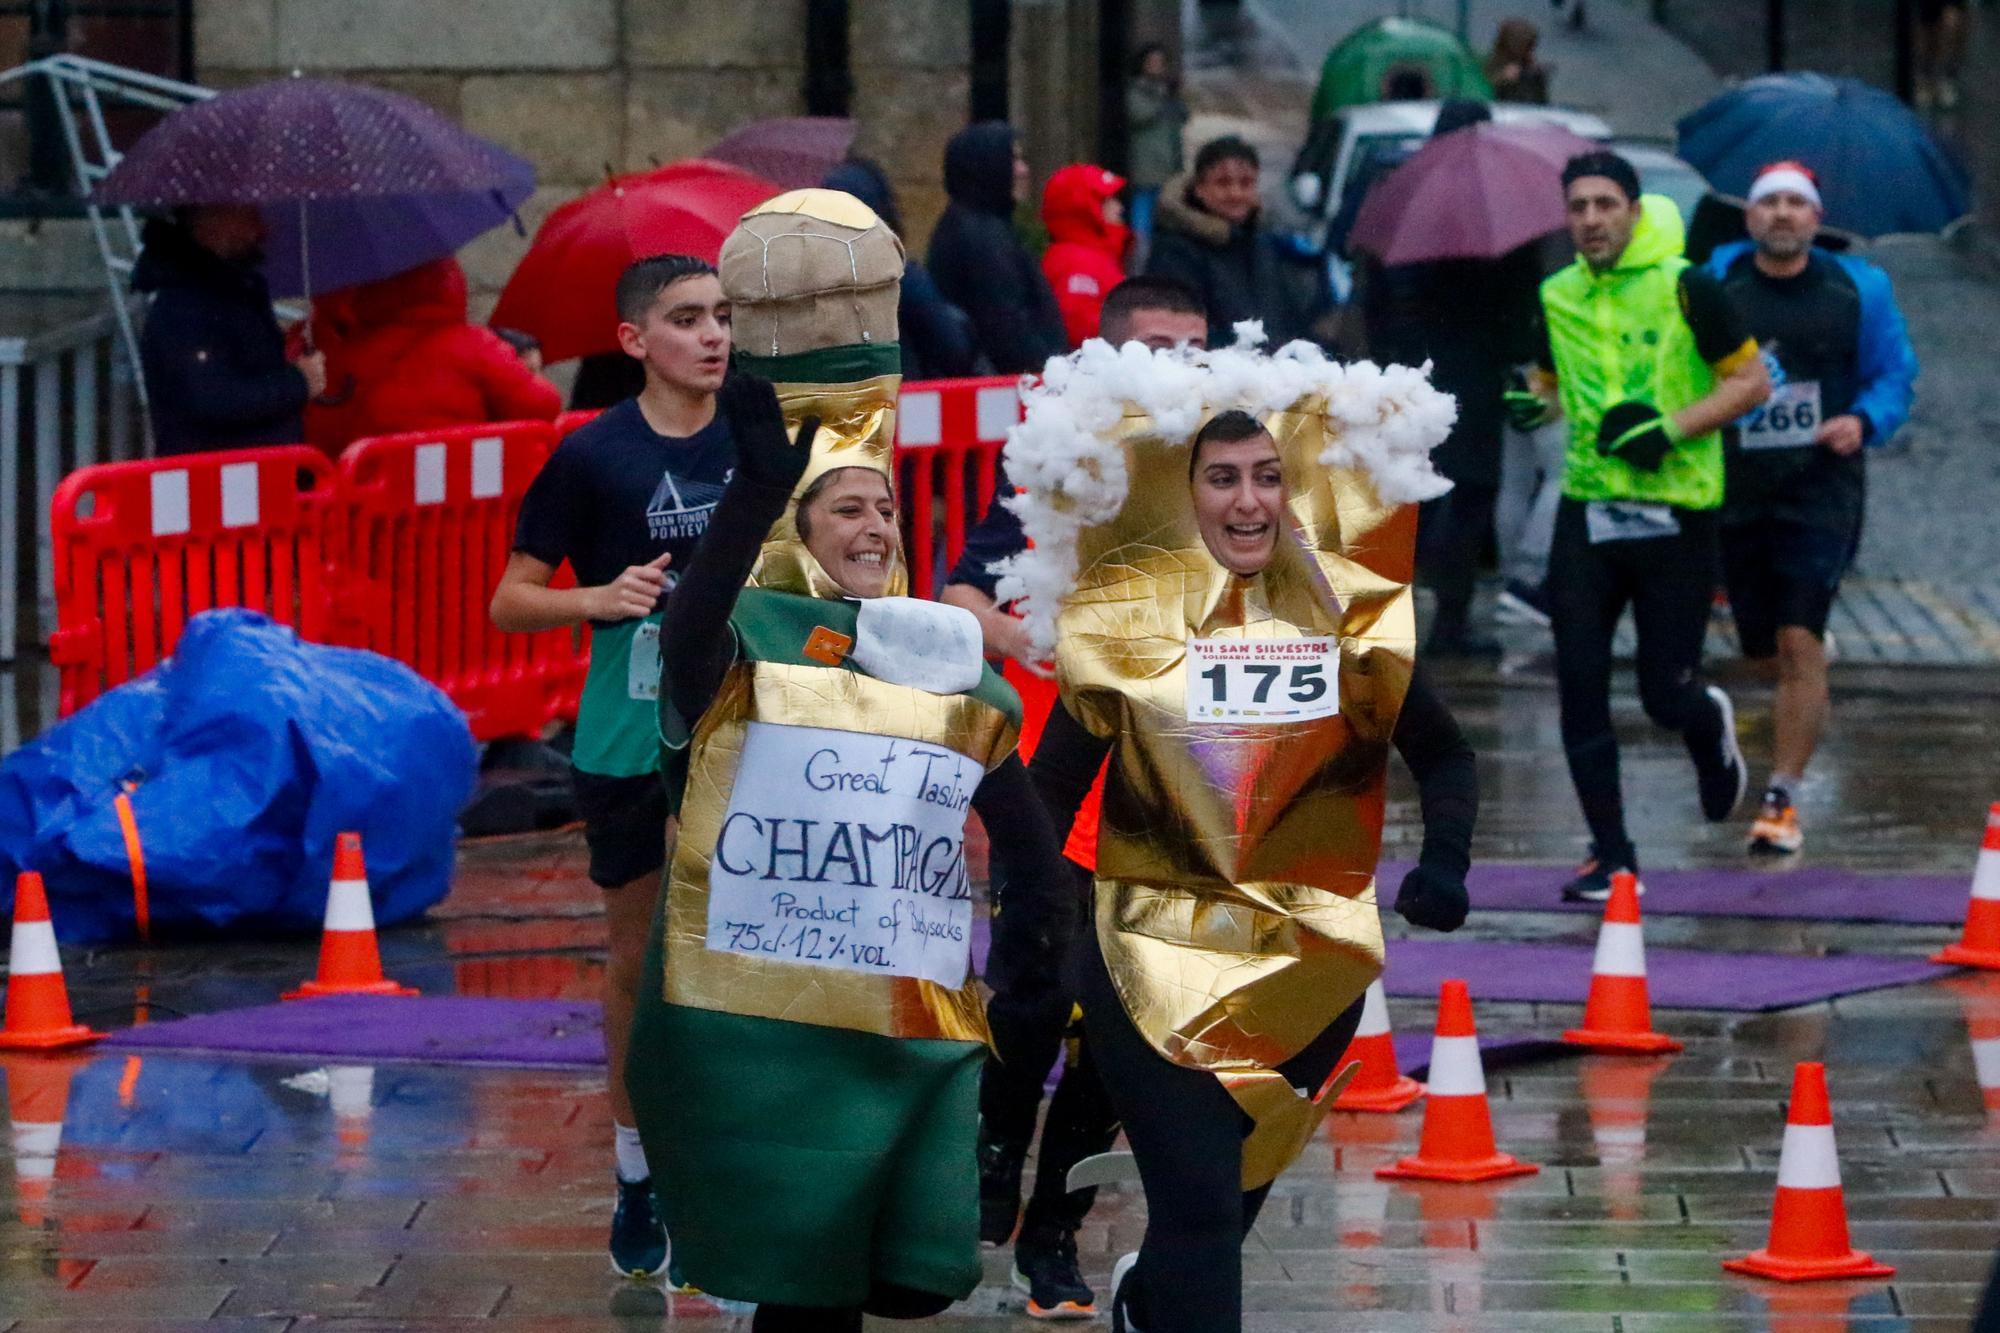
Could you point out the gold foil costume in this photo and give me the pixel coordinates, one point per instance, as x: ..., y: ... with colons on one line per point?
x: 813, y: 277
x: 1235, y: 900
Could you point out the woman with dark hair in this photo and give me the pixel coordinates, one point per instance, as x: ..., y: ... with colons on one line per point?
x: 1208, y: 234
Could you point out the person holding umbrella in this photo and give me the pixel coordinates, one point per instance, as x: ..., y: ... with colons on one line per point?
x: 217, y: 373
x: 1647, y: 360
x: 1797, y: 465
x: 624, y: 499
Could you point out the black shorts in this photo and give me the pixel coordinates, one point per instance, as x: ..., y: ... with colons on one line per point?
x: 1781, y: 573
x: 624, y: 823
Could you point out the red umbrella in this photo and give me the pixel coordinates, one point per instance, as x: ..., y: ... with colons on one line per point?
x: 794, y: 151
x: 1475, y: 193
x: 562, y: 291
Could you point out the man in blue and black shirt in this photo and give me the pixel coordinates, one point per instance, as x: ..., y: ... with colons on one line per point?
x: 1843, y: 365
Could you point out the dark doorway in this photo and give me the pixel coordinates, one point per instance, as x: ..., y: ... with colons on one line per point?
x: 992, y: 24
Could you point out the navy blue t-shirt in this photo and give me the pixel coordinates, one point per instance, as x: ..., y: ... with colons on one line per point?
x: 617, y: 493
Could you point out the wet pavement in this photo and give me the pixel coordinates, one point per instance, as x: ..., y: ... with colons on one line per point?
x: 188, y: 1192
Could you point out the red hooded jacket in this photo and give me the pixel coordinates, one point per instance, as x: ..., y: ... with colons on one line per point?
x: 401, y: 357
x: 1086, y: 254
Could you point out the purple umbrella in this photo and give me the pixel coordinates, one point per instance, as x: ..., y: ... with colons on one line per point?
x: 1475, y: 193
x: 357, y: 183
x: 795, y: 152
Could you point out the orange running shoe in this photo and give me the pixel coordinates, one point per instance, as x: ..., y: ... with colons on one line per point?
x: 1776, y: 831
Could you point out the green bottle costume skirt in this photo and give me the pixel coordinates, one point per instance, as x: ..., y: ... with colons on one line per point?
x: 801, y: 1165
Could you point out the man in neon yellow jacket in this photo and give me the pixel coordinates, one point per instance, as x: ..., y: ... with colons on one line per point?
x: 1647, y: 360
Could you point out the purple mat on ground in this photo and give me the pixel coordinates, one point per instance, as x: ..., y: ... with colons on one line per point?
x: 1676, y: 978
x: 540, y: 1034
x: 1806, y: 893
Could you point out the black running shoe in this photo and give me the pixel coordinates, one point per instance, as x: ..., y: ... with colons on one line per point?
x: 1719, y: 766
x: 1045, y: 1268
x: 999, y: 1191
x: 1593, y: 878
x: 638, y: 1237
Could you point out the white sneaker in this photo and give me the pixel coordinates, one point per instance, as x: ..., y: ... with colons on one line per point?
x: 1120, y: 1322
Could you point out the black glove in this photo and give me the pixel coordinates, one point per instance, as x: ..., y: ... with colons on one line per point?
x: 1432, y: 898
x: 764, y: 451
x: 1526, y: 409
x: 1637, y: 433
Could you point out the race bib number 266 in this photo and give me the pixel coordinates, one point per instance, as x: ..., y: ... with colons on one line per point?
x: 1262, y: 680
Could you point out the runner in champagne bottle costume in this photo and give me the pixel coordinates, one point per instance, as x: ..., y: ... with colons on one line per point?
x: 805, y: 1063
x: 1240, y: 645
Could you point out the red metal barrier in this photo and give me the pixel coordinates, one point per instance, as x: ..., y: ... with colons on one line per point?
x: 570, y: 420
x: 948, y: 438
x: 430, y: 522
x: 142, y: 546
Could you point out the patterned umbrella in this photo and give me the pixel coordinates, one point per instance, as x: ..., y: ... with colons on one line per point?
x: 357, y: 183
x: 795, y: 152
x: 562, y: 290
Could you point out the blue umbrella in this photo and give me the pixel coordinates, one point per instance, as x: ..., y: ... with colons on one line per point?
x: 357, y: 183
x: 1880, y: 171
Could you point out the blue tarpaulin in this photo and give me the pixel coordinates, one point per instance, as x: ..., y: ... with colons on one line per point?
x: 246, y: 753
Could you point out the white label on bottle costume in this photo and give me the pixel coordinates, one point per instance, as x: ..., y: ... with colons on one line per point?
x: 847, y: 850
x: 1627, y: 521
x: 642, y: 672
x: 1262, y: 680
x: 1789, y: 418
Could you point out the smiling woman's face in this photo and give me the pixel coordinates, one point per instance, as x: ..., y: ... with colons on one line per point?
x: 849, y: 525
x: 1239, y: 498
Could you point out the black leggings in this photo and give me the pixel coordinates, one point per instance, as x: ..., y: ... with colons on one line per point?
x: 1451, y: 539
x: 886, y: 1301
x: 1187, y: 1135
x: 1669, y: 582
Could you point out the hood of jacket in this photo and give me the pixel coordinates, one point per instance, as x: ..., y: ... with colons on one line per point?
x: 169, y: 257
x: 1073, y: 209
x: 1178, y: 211
x: 1659, y: 235
x: 979, y: 167
x: 429, y: 294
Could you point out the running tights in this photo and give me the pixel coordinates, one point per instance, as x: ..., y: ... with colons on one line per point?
x: 1669, y: 582
x: 1187, y: 1135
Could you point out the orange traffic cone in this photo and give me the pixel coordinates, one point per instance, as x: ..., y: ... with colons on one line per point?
x: 1979, y: 946
x: 1457, y: 1141
x: 38, y: 1017
x: 1809, y: 1219
x: 37, y: 1102
x: 1979, y: 999
x: 1380, y: 1085
x: 1617, y: 1015
x: 349, y: 962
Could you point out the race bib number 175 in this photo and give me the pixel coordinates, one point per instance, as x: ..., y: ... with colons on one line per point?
x: 1262, y: 680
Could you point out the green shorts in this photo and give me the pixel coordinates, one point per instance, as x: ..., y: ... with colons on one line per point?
x: 801, y: 1165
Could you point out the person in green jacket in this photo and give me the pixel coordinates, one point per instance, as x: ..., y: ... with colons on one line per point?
x: 1647, y: 360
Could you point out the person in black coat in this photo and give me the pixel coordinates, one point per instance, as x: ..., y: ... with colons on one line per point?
x: 981, y: 266
x: 217, y: 376
x: 935, y: 335
x: 1207, y: 235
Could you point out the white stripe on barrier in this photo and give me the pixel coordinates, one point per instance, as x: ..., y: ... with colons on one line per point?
x: 995, y: 412
x: 920, y: 419
x: 351, y: 1090
x: 1455, y: 1068
x: 34, y: 953
x: 347, y: 906
x: 1986, y: 876
x: 1621, y: 950
x: 1986, y: 1061
x: 170, y: 502
x: 487, y: 452
x: 1374, y: 1012
x: 239, y: 495
x: 1808, y: 1160
x: 430, y: 474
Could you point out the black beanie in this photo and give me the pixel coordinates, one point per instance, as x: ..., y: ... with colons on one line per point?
x: 1603, y: 162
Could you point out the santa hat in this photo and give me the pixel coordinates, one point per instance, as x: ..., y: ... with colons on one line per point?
x: 1787, y: 178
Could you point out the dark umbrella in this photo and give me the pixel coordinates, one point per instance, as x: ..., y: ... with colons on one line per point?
x: 356, y: 183
x: 1880, y: 171
x: 1475, y: 193
x: 795, y: 152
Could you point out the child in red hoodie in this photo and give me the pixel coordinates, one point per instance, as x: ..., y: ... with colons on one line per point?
x: 1088, y: 239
